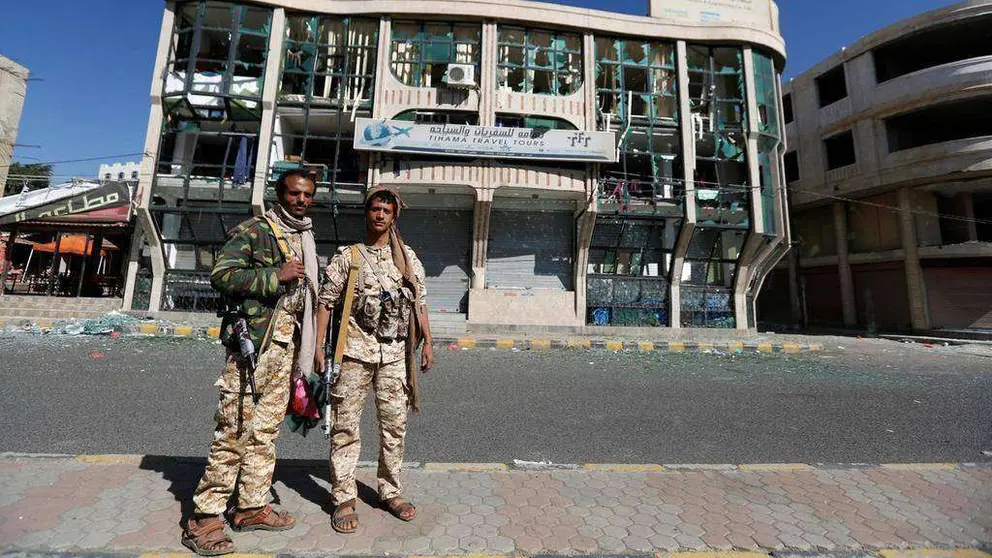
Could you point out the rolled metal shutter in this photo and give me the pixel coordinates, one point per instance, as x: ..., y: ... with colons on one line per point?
x: 442, y: 239
x: 530, y: 250
x: 959, y: 297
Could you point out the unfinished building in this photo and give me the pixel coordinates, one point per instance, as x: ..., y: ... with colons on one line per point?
x: 625, y: 170
x: 890, y: 176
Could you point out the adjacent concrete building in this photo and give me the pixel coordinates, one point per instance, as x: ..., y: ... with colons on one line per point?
x: 13, y: 88
x: 889, y: 170
x: 563, y: 166
x: 119, y: 172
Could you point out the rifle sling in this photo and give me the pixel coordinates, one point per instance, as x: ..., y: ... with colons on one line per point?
x: 349, y: 298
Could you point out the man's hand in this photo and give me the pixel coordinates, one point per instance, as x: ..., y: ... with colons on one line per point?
x: 319, y: 362
x: 427, y: 357
x: 291, y: 271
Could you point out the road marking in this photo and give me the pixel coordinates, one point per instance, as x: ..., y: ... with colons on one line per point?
x: 775, y: 467
x: 466, y: 343
x: 765, y: 347
x: 213, y: 332
x: 790, y: 348
x: 504, y: 343
x: 183, y: 331
x: 645, y: 346
x: 919, y: 466
x: 466, y: 467
x: 579, y: 343
x: 623, y: 468
x: 540, y: 344
x: 614, y: 345
x: 934, y: 553
x: 109, y: 458
x: 148, y: 329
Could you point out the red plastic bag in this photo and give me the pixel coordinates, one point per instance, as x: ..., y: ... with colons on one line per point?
x: 301, y: 400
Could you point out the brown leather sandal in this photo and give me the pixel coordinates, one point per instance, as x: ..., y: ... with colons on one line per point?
x: 262, y: 519
x: 206, y: 537
x: 342, y: 516
x: 400, y: 508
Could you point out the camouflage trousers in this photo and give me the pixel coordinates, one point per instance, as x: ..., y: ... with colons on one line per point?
x: 243, y: 452
x: 347, y: 400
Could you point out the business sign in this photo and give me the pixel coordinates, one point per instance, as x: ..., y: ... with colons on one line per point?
x: 395, y: 136
x: 107, y: 203
x: 755, y: 13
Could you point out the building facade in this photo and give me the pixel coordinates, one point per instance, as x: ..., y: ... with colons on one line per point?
x: 889, y: 170
x: 676, y: 225
x: 13, y: 88
x: 119, y: 172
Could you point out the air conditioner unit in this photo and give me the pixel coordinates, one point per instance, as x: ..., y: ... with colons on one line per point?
x: 460, y: 75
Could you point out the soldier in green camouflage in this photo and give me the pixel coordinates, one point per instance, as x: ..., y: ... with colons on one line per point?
x: 268, y: 269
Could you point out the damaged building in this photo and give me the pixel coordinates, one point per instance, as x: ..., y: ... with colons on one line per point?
x: 889, y: 171
x: 563, y: 166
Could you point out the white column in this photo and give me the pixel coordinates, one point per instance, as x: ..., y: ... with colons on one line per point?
x: 270, y: 94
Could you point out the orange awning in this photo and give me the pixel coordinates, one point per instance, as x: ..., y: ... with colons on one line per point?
x: 74, y: 244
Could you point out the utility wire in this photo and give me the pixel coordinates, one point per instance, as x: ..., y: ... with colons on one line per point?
x: 142, y: 153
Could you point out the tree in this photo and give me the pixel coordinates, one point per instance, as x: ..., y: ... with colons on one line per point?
x: 37, y: 176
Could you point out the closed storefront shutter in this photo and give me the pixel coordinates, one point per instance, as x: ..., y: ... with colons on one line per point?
x: 959, y: 297
x: 821, y: 295
x: 881, y: 295
x: 442, y: 240
x: 530, y: 250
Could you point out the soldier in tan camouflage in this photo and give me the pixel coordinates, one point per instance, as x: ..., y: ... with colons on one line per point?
x: 387, y: 320
x: 269, y: 270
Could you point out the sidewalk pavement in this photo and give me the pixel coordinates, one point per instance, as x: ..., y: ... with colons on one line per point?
x: 133, y: 505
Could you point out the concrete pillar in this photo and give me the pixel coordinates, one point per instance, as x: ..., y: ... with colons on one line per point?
x: 270, y: 94
x: 968, y: 204
x: 480, y: 235
x: 487, y: 81
x: 145, y: 223
x: 689, y: 200
x: 585, y: 224
x: 844, y: 266
x: 911, y: 255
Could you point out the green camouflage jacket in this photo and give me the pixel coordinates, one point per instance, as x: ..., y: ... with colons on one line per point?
x: 246, y: 273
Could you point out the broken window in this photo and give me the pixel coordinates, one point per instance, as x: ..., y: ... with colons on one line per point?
x: 961, y: 40
x: 637, y: 92
x: 629, y: 271
x: 327, y: 82
x: 537, y: 61
x: 956, y: 120
x: 840, y: 150
x: 217, y: 61
x: 329, y: 60
x: 420, y: 52
x: 831, y: 86
x: 449, y: 117
x: 540, y: 122
x: 787, y: 114
x: 792, y: 167
x: 708, y: 277
x: 716, y: 98
x: 769, y: 136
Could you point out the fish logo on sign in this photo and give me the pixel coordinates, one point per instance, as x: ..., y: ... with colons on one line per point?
x: 380, y: 133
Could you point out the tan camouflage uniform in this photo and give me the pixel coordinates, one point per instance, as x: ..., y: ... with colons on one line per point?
x: 370, y: 360
x: 244, y: 440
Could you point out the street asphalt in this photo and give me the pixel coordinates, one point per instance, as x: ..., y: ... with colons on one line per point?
x: 859, y: 401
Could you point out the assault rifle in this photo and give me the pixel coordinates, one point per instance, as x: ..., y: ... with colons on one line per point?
x: 248, y: 353
x: 331, y: 372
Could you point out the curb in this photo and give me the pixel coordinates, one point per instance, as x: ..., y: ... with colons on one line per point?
x: 618, y: 345
x: 880, y: 553
x: 518, y: 465
x: 454, y: 343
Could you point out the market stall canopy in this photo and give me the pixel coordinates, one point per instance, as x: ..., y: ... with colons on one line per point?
x: 75, y: 244
x: 73, y: 202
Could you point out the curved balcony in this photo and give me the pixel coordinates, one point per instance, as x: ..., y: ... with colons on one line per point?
x: 924, y: 84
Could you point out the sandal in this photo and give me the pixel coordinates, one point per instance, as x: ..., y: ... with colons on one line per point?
x: 342, y: 517
x: 263, y: 519
x: 206, y: 537
x: 400, y: 508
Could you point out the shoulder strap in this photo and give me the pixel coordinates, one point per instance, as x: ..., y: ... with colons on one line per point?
x: 287, y: 254
x: 349, y: 298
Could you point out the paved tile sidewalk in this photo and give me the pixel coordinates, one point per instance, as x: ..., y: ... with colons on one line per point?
x: 134, y: 504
